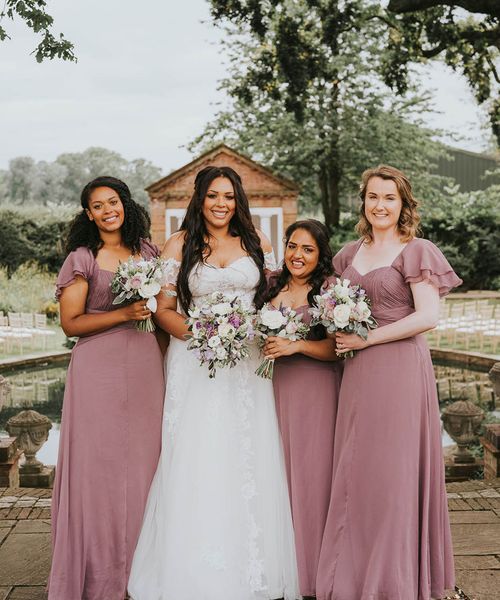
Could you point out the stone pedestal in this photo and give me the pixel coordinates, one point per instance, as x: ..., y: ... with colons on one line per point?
x: 9, y: 462
x: 494, y: 375
x: 32, y: 430
x: 491, y: 445
x: 461, y: 471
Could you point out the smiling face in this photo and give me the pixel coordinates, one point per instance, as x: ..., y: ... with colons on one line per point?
x: 219, y: 205
x: 301, y: 254
x: 383, y: 203
x: 106, y: 209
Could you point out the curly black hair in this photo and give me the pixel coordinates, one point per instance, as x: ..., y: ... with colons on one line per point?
x: 323, y: 270
x: 84, y: 232
x: 196, y: 246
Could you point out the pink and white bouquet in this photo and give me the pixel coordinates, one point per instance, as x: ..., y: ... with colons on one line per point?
x: 221, y: 329
x: 283, y: 322
x: 141, y: 279
x: 343, y: 307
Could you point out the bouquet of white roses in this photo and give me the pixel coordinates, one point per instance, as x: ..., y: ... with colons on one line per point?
x: 283, y: 322
x: 221, y: 329
x: 136, y: 279
x: 343, y: 307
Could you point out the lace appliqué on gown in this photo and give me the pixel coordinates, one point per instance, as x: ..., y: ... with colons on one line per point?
x: 218, y: 522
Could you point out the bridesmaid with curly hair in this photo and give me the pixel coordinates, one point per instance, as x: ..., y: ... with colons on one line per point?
x: 387, y: 535
x: 306, y: 387
x: 113, y: 402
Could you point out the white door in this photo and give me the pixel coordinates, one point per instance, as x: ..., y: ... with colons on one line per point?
x: 268, y: 219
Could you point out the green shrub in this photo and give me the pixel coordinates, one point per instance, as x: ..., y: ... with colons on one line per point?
x: 28, y: 289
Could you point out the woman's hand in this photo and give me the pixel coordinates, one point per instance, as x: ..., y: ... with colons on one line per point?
x: 137, y: 311
x: 346, y: 342
x: 277, y: 346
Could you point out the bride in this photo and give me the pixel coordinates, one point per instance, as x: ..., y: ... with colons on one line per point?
x: 217, y: 523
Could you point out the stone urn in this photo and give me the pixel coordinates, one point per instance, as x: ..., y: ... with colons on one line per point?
x: 32, y: 430
x: 462, y: 421
x: 494, y: 376
x: 4, y: 389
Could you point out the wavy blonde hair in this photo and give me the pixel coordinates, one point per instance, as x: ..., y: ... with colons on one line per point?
x: 409, y: 219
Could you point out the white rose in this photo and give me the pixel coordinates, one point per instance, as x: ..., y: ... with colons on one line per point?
x: 214, y: 341
x: 221, y: 353
x: 223, y: 308
x: 341, y: 315
x: 152, y: 304
x: 273, y: 319
x: 147, y: 290
x: 226, y: 330
x: 341, y: 292
x: 363, y: 310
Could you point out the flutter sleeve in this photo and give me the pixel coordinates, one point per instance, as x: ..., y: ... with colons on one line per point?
x: 81, y: 263
x: 344, y: 257
x: 423, y: 261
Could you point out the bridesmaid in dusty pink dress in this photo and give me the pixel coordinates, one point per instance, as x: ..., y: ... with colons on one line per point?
x: 112, y: 411
x: 306, y: 385
x: 387, y: 535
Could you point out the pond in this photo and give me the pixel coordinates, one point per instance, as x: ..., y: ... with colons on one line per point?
x: 42, y: 388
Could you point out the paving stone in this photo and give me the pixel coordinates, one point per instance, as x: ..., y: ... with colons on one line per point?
x: 490, y: 494
x: 452, y: 495
x: 11, y: 499
x: 474, y: 504
x: 35, y: 513
x: 470, y: 494
x: 476, y: 563
x: 479, y: 538
x: 23, y: 503
x: 23, y: 563
x: 7, y: 523
x: 3, y: 534
x: 28, y: 593
x: 4, y: 592
x: 32, y: 527
x: 484, y: 585
x: 473, y: 516
x: 458, y: 504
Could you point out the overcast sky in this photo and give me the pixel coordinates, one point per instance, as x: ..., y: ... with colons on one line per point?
x: 145, y: 84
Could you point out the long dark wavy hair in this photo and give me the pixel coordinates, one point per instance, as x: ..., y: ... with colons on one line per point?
x: 136, y: 222
x: 196, y: 247
x: 323, y: 270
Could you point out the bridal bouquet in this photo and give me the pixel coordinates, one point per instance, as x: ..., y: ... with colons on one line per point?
x: 221, y: 329
x: 282, y: 322
x: 137, y: 279
x: 343, y: 307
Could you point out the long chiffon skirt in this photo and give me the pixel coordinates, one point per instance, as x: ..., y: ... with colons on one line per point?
x: 387, y: 535
x: 108, y: 452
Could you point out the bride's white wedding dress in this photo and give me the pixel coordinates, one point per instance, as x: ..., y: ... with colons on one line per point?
x: 217, y: 524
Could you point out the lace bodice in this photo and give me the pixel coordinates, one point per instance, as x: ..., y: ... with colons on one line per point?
x: 240, y: 278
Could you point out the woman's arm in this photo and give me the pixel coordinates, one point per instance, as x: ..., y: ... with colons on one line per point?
x: 166, y: 315
x: 319, y: 349
x: 74, y: 320
x: 425, y: 317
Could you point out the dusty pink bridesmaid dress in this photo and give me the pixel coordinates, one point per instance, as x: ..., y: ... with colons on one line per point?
x: 306, y: 392
x: 109, y: 446
x: 387, y: 535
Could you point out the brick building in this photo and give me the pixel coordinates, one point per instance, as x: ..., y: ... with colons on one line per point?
x: 273, y: 199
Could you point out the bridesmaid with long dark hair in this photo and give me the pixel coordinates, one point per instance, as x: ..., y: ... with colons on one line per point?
x: 387, y: 535
x: 111, y: 423
x: 306, y: 386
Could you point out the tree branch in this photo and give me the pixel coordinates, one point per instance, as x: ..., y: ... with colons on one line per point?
x: 489, y: 7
